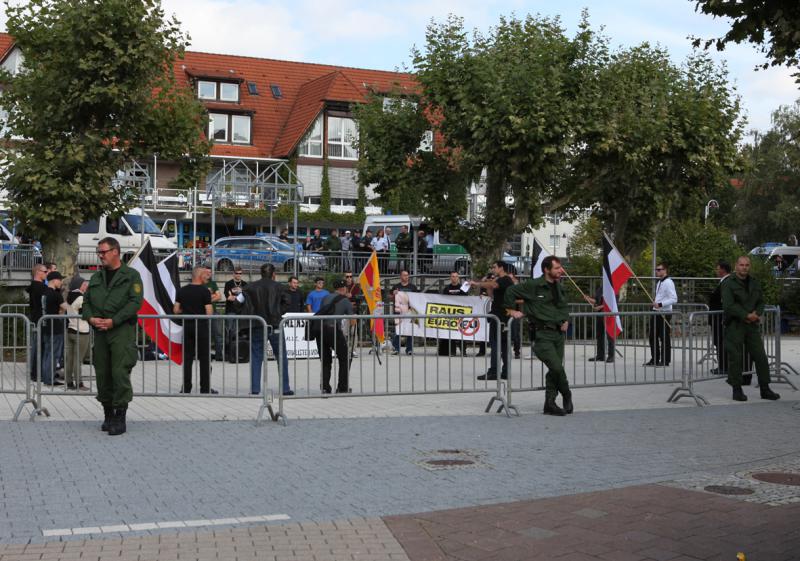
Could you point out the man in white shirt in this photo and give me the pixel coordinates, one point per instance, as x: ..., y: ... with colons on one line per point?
x: 660, y: 343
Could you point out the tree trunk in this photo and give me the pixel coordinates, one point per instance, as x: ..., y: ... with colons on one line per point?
x: 60, y: 246
x: 498, y: 224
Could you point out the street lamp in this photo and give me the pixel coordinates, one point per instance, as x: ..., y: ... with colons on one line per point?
x: 709, y: 205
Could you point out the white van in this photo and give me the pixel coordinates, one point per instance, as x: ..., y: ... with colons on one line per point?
x: 790, y: 256
x: 443, y: 257
x: 127, y: 230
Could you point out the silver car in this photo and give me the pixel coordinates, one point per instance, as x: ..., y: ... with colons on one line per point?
x: 250, y: 252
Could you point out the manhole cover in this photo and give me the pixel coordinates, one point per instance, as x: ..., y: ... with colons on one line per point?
x: 728, y: 490
x: 449, y: 463
x: 450, y: 451
x: 779, y: 478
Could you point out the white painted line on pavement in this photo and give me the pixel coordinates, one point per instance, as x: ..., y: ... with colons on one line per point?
x: 170, y: 524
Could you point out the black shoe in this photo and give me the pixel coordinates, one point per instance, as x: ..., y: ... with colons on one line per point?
x: 516, y: 355
x: 738, y: 394
x: 211, y: 391
x: 107, y: 413
x: 610, y: 359
x: 480, y: 353
x: 488, y: 376
x: 326, y: 390
x: 650, y: 362
x: 550, y: 407
x: 715, y: 372
x: 291, y: 392
x: 344, y: 390
x: 767, y: 393
x: 566, y: 399
x: 595, y: 359
x: 117, y: 424
x: 504, y: 376
x: 72, y: 386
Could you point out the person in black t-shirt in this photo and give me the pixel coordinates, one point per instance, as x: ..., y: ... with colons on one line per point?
x: 52, y: 330
x: 36, y: 292
x: 231, y: 290
x: 453, y: 347
x: 195, y: 299
x: 296, y: 297
x: 497, y: 290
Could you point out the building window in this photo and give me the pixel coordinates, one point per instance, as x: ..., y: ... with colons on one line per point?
x: 555, y: 241
x: 228, y: 91
x: 206, y: 90
x: 342, y: 135
x: 218, y: 127
x: 240, y: 125
x: 312, y: 144
x: 218, y: 91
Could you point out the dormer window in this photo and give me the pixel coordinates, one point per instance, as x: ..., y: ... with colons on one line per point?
x: 218, y: 91
x: 224, y: 128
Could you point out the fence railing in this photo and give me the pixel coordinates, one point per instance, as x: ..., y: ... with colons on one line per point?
x: 422, y: 354
x: 20, y: 257
x: 181, y: 365
x: 416, y: 359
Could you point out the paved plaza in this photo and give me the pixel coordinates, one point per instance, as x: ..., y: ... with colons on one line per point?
x: 407, y: 477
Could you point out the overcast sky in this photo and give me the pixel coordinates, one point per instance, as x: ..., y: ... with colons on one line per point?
x: 380, y: 34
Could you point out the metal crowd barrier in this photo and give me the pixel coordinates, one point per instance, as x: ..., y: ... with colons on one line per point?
x: 706, y: 348
x: 16, y: 342
x: 20, y: 257
x: 631, y: 362
x: 23, y: 309
x: 363, y: 368
x: 155, y: 374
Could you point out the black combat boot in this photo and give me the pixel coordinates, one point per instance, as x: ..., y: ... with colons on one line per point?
x: 107, y: 412
x: 118, y: 422
x: 550, y: 407
x: 767, y: 393
x: 738, y: 394
x: 566, y: 400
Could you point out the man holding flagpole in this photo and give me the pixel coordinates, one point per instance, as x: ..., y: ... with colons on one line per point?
x: 546, y: 304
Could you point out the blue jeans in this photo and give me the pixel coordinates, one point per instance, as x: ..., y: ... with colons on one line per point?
x: 52, y: 350
x: 257, y: 358
x: 409, y: 343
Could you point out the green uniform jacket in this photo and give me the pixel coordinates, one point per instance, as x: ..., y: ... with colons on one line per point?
x: 119, y: 302
x: 740, y: 297
x: 404, y: 242
x: 333, y: 243
x: 539, y: 302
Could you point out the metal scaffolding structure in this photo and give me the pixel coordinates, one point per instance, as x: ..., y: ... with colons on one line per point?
x: 237, y: 184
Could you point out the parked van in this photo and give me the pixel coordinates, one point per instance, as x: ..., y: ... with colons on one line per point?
x: 789, y: 256
x: 127, y: 230
x: 443, y: 257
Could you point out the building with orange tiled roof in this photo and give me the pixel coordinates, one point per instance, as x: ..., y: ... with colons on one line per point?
x: 264, y: 110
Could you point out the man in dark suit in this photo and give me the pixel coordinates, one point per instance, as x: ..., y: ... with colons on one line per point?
x: 723, y: 270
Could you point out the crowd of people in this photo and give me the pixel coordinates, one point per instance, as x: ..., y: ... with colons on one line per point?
x: 107, y: 305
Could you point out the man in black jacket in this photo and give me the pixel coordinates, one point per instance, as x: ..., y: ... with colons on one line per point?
x: 36, y: 291
x: 723, y: 271
x: 269, y: 299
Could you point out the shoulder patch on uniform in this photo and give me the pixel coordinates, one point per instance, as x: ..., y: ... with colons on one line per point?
x: 137, y: 288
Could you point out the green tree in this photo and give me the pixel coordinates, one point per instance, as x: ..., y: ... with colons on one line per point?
x: 325, y: 191
x: 506, y: 104
x: 97, y: 91
x: 658, y: 140
x: 771, y: 24
x: 768, y: 202
x: 692, y: 250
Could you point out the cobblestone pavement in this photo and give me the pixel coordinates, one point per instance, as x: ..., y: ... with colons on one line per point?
x: 163, y: 475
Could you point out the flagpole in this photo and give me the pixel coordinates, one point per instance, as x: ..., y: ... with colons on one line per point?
x: 541, y: 248
x: 652, y: 301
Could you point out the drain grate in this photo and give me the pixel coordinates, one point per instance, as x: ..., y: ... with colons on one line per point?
x: 451, y: 458
x: 778, y: 478
x: 728, y: 490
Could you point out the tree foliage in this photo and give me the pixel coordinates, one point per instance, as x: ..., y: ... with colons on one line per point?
x: 767, y: 205
x: 659, y: 139
x: 771, y: 24
x: 692, y: 250
x: 97, y: 91
x: 546, y: 122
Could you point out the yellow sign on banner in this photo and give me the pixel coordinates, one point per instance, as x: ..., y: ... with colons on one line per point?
x: 454, y: 324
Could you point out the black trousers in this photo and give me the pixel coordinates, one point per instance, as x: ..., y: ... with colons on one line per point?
x: 334, y: 340
x: 660, y: 340
x: 602, y: 337
x: 196, y: 346
x: 718, y: 337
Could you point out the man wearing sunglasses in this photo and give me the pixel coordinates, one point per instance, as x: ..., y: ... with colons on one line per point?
x: 110, y: 305
x: 660, y: 339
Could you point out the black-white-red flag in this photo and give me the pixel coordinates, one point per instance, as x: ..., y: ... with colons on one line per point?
x: 539, y: 253
x: 159, y: 288
x: 616, y: 273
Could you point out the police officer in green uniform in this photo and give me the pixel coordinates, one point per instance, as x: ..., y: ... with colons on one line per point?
x: 110, y: 306
x: 546, y: 304
x: 743, y: 306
